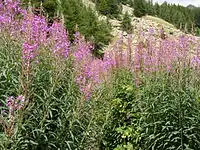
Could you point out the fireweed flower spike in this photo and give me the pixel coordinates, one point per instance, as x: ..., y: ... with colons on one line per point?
x: 14, y: 104
x: 58, y: 40
x: 9, y: 12
x: 90, y: 70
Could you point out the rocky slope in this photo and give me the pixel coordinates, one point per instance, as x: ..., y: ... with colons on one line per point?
x: 140, y: 25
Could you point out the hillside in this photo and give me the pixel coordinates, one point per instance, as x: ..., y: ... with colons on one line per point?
x: 89, y: 20
x: 139, y: 25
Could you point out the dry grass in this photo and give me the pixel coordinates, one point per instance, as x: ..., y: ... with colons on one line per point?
x: 158, y: 20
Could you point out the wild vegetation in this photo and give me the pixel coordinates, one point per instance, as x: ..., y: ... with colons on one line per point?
x: 182, y: 17
x: 77, y: 17
x: 110, y: 8
x: 55, y: 94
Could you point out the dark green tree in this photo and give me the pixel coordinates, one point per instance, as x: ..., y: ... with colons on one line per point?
x: 140, y: 8
x: 109, y: 8
x: 126, y: 23
x: 197, y: 16
x: 156, y: 9
x: 150, y: 8
x: 77, y: 14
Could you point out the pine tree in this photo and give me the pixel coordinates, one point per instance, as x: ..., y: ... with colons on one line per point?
x: 150, y: 8
x: 156, y: 9
x: 76, y: 13
x: 140, y: 8
x: 126, y: 23
x: 109, y: 8
x: 102, y: 7
x: 50, y: 6
x: 196, y: 13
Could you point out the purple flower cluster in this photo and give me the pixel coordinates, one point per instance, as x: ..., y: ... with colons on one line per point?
x: 90, y: 70
x: 58, y: 39
x: 29, y: 52
x: 195, y: 62
x: 149, y: 55
x: 9, y: 12
x: 15, y: 103
x: 82, y: 48
x: 34, y: 28
x: 34, y: 32
x: 117, y: 55
x: 155, y: 55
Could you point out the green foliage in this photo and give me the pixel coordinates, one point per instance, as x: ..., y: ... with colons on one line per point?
x: 124, y: 1
x: 180, y: 16
x: 160, y: 113
x: 76, y: 14
x: 170, y: 108
x: 197, y: 31
x: 56, y: 117
x: 126, y: 23
x: 150, y: 7
x: 197, y: 16
x: 9, y: 70
x: 122, y: 131
x: 140, y: 8
x: 49, y: 6
x: 163, y: 112
x: 109, y: 8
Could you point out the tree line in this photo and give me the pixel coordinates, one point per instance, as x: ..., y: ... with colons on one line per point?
x: 182, y: 17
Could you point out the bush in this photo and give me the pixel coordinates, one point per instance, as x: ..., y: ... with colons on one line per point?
x: 57, y: 116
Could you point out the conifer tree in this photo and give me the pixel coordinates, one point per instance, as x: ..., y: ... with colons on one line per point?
x: 109, y: 8
x: 102, y: 7
x: 156, y: 9
x: 126, y: 23
x: 140, y: 8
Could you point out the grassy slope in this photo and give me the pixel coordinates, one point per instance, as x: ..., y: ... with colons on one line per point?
x: 158, y: 20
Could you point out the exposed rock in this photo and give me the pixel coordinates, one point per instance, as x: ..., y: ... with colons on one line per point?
x: 145, y: 25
